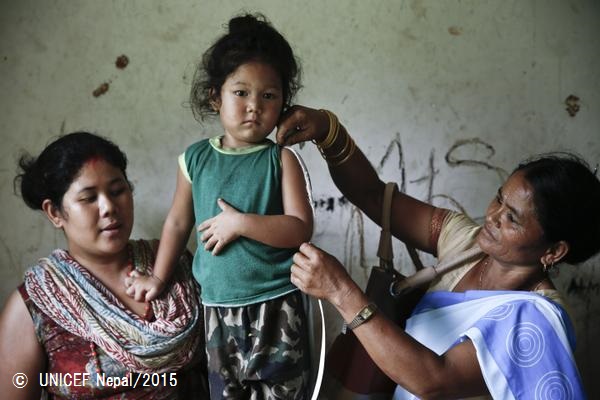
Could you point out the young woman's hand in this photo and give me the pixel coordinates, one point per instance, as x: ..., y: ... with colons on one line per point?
x: 224, y: 228
x: 300, y: 124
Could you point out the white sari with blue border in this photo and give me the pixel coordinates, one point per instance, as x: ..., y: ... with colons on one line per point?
x: 524, y: 341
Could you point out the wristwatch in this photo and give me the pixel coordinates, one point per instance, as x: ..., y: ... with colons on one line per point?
x: 363, y: 315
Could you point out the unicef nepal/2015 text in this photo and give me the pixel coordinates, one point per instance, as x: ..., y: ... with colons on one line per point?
x: 130, y: 379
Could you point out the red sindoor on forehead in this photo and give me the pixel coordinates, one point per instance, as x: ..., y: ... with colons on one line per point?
x: 93, y: 160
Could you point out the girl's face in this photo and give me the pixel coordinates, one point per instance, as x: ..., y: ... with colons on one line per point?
x: 249, y: 104
x: 512, y: 233
x: 97, y: 212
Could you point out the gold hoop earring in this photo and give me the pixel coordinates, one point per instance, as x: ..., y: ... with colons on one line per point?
x: 553, y: 270
x: 550, y: 269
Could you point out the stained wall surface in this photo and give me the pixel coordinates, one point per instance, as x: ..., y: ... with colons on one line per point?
x: 444, y: 97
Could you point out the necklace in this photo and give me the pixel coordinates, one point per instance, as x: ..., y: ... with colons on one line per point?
x: 539, y: 283
x: 484, y: 268
x: 95, y: 358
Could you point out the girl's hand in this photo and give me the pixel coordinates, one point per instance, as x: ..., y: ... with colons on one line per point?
x: 143, y: 287
x: 321, y: 275
x: 300, y: 124
x: 222, y: 229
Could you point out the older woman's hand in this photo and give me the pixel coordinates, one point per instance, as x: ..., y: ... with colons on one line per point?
x: 300, y: 124
x: 321, y: 275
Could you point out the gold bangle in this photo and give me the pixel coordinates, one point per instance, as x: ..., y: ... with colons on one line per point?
x: 347, y: 157
x: 332, y: 134
x: 328, y: 139
x: 343, y: 151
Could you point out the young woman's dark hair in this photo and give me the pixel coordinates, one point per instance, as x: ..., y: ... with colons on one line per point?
x: 250, y: 38
x: 567, y: 202
x: 49, y: 175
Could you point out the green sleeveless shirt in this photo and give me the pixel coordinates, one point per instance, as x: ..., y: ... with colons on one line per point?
x: 245, y: 271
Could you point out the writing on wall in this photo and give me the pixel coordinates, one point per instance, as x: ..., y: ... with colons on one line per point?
x: 354, y: 235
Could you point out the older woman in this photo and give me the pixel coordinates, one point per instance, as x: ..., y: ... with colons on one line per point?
x: 495, y: 325
x: 70, y: 328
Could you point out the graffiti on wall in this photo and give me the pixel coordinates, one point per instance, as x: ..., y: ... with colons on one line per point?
x: 354, y: 235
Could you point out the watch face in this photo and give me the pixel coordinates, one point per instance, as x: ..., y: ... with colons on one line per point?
x: 362, y: 316
x: 366, y: 312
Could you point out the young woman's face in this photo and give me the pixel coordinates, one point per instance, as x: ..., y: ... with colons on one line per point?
x: 249, y: 104
x: 97, y: 211
x: 512, y: 233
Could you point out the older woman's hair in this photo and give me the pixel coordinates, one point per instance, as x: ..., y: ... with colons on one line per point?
x: 49, y: 175
x: 567, y: 202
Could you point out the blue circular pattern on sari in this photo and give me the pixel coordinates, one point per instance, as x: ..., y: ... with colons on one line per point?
x: 525, y: 344
x: 500, y: 312
x: 554, y: 386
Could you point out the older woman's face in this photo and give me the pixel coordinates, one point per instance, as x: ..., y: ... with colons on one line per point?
x: 97, y: 211
x: 511, y: 233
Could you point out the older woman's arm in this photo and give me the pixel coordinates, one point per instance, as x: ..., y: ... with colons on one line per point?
x: 454, y: 374
x: 20, y: 352
x: 357, y: 179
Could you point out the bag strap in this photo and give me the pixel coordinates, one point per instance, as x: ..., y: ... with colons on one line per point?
x: 385, y: 251
x: 428, y: 274
x: 386, y: 254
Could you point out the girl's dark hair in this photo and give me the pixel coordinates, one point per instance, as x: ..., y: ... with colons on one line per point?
x: 49, y: 175
x: 566, y: 196
x: 250, y: 38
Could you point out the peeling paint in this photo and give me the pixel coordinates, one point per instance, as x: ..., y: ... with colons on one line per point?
x: 572, y: 103
x: 100, y: 90
x: 122, y: 61
x: 455, y: 30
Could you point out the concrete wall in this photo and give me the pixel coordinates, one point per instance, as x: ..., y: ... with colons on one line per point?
x: 443, y: 96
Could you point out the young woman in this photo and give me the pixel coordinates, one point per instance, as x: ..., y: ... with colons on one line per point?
x: 71, y: 320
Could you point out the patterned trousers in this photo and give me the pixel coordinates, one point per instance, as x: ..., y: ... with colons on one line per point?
x: 259, y: 351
